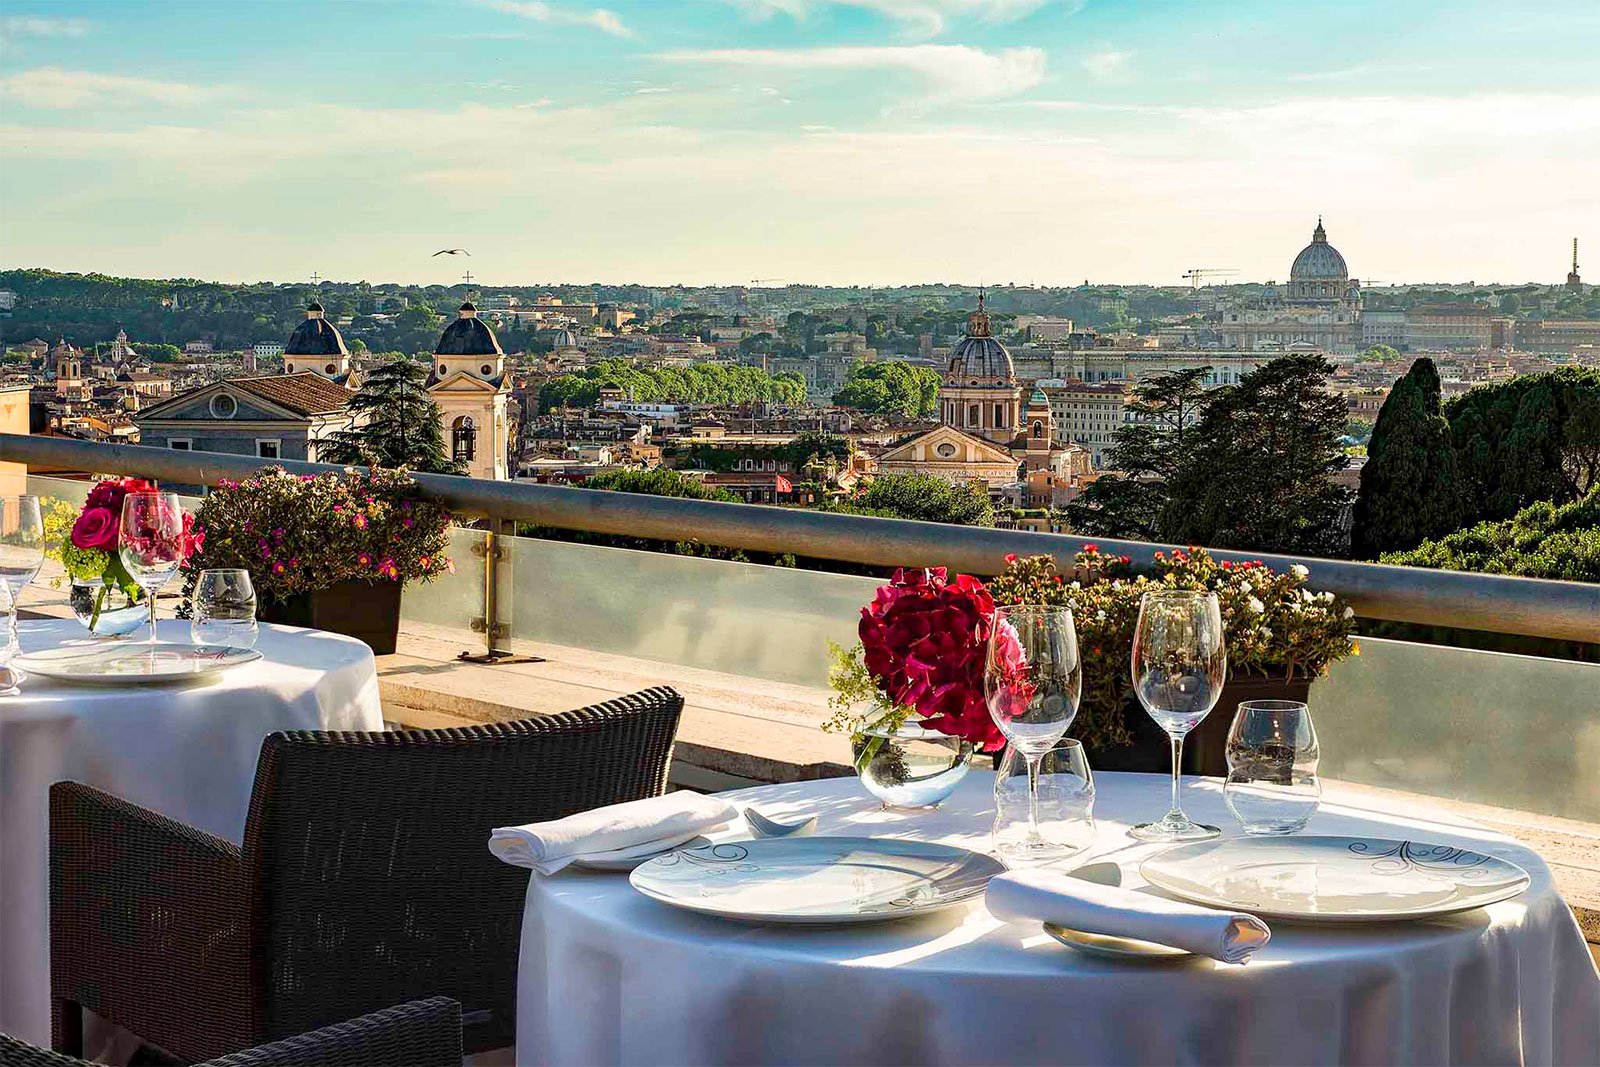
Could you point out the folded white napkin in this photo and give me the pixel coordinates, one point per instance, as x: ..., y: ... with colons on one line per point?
x: 1054, y: 897
x: 618, y: 831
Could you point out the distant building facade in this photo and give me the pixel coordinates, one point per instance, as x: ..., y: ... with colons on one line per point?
x: 470, y: 385
x: 1320, y: 306
x: 279, y: 416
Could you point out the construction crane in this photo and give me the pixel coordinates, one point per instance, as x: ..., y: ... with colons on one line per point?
x: 1197, y: 274
x: 765, y: 281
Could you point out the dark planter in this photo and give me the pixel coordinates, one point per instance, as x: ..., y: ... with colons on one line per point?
x: 1205, y: 749
x: 367, y: 611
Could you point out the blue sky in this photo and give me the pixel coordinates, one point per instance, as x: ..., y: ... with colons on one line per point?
x: 830, y: 141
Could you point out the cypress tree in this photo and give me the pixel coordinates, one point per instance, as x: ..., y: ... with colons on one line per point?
x: 402, y: 427
x: 1411, y: 488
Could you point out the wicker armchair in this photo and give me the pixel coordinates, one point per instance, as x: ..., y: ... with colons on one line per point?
x: 424, y: 1033
x: 364, y: 880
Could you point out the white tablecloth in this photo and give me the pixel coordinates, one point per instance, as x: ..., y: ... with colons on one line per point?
x: 186, y: 751
x: 609, y: 976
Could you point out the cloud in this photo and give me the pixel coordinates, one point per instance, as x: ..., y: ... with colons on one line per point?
x: 951, y: 72
x: 1106, y: 63
x: 925, y: 18
x: 54, y: 87
x: 15, y: 26
x: 598, y: 18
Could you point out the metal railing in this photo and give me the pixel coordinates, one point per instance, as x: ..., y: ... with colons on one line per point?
x: 1532, y: 607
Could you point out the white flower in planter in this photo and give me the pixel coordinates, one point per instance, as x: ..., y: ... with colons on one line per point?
x: 1256, y: 606
x: 1299, y: 571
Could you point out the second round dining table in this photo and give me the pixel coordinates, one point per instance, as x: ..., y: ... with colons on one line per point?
x: 609, y: 976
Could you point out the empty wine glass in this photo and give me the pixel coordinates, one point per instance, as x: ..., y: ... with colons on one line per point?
x: 21, y: 553
x: 1272, y: 785
x: 223, y: 609
x: 150, y: 543
x: 1031, y: 682
x: 1179, y: 665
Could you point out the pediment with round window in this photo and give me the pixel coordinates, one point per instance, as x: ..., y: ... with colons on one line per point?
x: 223, y: 406
x: 944, y: 450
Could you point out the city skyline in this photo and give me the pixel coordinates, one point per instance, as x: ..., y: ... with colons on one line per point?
x: 828, y: 142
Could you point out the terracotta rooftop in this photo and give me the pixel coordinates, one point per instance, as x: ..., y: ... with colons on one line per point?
x: 304, y: 393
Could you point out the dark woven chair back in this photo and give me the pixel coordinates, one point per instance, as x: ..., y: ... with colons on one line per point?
x: 368, y: 862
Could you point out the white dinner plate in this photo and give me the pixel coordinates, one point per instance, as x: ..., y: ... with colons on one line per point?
x: 813, y: 880
x: 134, y: 664
x: 1334, y: 879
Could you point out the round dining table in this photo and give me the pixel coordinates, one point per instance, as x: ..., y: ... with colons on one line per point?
x: 609, y: 976
x: 185, y: 750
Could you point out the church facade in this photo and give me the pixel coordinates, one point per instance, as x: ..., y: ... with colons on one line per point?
x: 986, y: 433
x: 470, y: 385
x: 1319, y: 308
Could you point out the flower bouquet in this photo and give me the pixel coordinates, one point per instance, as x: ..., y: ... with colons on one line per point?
x: 910, y: 695
x: 104, y: 595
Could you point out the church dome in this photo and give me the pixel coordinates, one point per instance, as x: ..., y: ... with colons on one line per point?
x: 468, y: 336
x: 563, y: 339
x: 1319, y: 261
x: 978, y: 356
x: 315, y: 337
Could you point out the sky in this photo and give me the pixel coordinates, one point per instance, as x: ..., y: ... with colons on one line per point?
x: 873, y: 142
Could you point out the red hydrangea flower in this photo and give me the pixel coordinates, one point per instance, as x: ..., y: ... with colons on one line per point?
x: 925, y: 639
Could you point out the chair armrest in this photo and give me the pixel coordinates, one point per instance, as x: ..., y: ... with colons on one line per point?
x: 149, y: 923
x: 423, y: 1033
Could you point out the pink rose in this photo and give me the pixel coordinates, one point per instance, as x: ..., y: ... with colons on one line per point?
x: 96, y: 528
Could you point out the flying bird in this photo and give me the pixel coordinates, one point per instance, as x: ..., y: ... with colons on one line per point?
x: 451, y: 252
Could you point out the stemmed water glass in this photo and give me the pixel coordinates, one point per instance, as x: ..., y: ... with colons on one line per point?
x: 1032, y: 680
x: 1180, y: 663
x: 21, y: 553
x: 150, y: 542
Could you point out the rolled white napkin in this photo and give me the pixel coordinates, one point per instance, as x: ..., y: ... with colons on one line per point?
x: 1056, y: 897
x: 617, y: 831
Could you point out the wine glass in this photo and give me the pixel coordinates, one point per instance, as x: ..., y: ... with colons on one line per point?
x: 1031, y: 681
x: 1180, y: 662
x: 224, y: 609
x: 150, y: 543
x: 21, y: 553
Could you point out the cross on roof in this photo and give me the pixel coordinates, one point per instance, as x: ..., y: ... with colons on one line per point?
x: 468, y: 277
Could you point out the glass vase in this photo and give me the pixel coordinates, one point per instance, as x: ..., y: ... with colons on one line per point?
x: 910, y: 768
x: 105, y: 610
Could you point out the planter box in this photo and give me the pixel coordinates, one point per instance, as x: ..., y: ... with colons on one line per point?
x: 367, y: 611
x: 1205, y: 749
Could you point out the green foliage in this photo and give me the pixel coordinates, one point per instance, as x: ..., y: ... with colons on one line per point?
x: 402, y: 428
x: 1379, y: 354
x: 1146, y: 455
x: 719, y: 384
x: 658, y: 482
x: 1411, y: 489
x: 1543, y: 540
x: 891, y: 388
x: 808, y: 446
x: 927, y: 499
x: 301, y: 534
x: 158, y: 353
x: 1257, y: 470
x: 1535, y: 437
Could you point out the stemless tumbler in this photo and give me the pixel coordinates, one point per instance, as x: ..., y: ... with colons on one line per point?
x: 1272, y: 785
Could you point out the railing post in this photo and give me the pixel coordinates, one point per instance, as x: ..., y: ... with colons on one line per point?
x: 491, y: 624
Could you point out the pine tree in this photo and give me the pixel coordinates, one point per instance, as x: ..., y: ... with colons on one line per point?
x: 1258, y: 474
x: 1411, y: 488
x: 402, y: 427
x: 1147, y: 453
